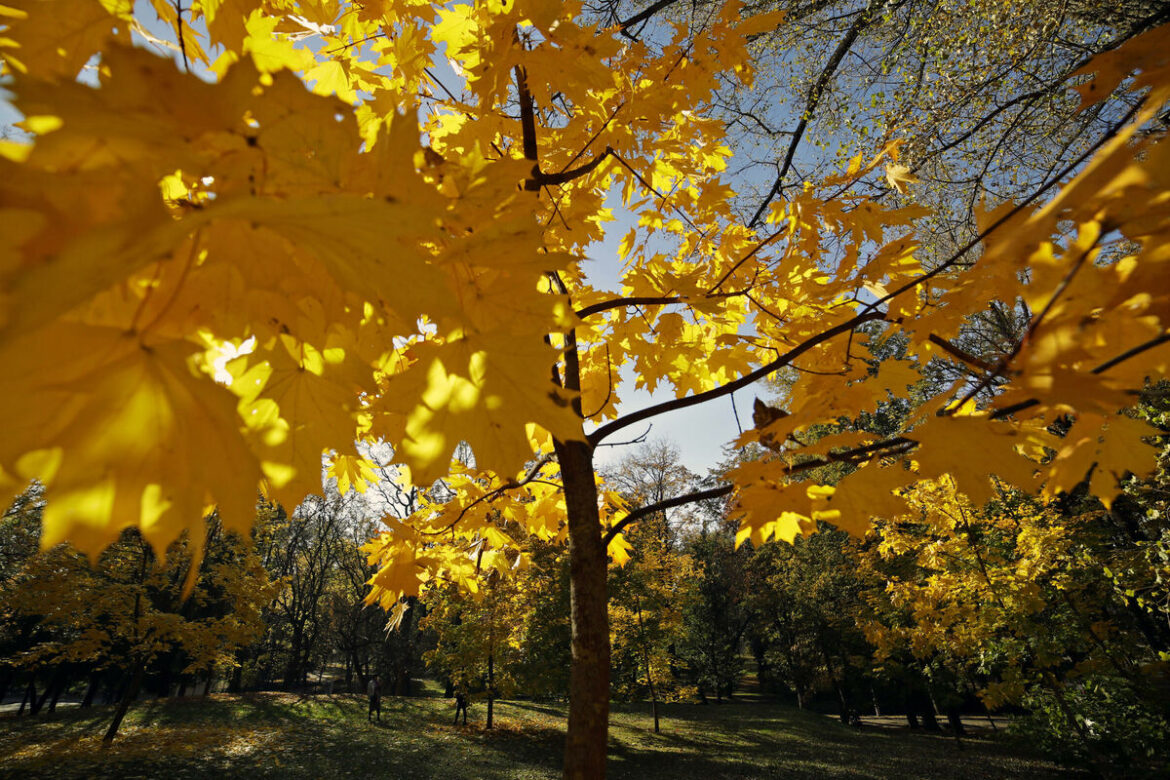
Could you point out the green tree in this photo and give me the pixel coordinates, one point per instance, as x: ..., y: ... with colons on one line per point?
x: 129, y: 612
x: 715, y: 605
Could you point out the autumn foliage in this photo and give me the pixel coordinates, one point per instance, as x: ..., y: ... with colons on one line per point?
x: 213, y: 275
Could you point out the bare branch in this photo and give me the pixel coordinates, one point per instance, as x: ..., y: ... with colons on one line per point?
x: 815, y: 93
x: 661, y: 506
x: 636, y: 440
x: 743, y: 381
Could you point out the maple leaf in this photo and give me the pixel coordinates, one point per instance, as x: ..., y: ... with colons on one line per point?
x: 55, y: 38
x: 147, y: 464
x: 860, y: 497
x: 352, y: 470
x: 476, y: 386
x: 1110, y: 447
x: 971, y: 447
x: 898, y: 176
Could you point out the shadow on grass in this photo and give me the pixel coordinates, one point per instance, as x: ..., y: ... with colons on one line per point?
x: 275, y: 735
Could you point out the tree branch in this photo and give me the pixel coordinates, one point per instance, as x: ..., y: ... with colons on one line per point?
x: 617, y: 303
x: 660, y: 506
x: 641, y: 16
x: 641, y: 437
x: 512, y: 484
x: 527, y: 127
x: 961, y: 355
x: 815, y: 93
x: 743, y: 381
x: 567, y: 176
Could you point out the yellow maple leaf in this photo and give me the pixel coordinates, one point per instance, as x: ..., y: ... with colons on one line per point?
x: 898, y: 176
x: 482, y: 389
x: 142, y: 438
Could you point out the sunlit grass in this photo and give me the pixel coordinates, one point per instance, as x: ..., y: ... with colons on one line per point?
x: 290, y: 736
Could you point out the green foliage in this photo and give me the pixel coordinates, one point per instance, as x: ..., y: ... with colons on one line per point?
x: 715, y: 611
x: 63, y: 616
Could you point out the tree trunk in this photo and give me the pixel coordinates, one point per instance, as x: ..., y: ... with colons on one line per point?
x: 956, y: 721
x: 491, y: 691
x: 95, y: 681
x: 39, y: 703
x: 30, y: 696
x: 926, y: 709
x: 842, y: 704
x: 586, y: 739
x: 649, y: 671
x: 58, y: 689
x: 127, y: 696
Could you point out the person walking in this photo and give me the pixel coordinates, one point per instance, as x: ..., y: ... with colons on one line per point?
x: 460, y: 706
x: 374, y: 691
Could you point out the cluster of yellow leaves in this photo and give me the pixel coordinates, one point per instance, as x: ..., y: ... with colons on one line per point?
x: 369, y: 287
x: 974, y: 576
x: 382, y: 272
x: 374, y: 288
x: 1097, y: 334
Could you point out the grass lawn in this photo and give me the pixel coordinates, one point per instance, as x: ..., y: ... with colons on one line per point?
x: 275, y: 735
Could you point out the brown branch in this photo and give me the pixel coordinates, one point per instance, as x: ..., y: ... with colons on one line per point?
x: 661, y: 506
x: 637, y: 300
x: 179, y: 31
x: 527, y: 127
x: 815, y: 93
x: 641, y: 437
x: 609, y: 389
x: 641, y: 16
x: 961, y: 354
x: 596, y: 135
x: 1020, y: 406
x: 359, y: 42
x: 856, y: 455
x: 759, y: 245
x: 512, y: 484
x: 736, y: 384
x: 664, y: 198
x: 572, y: 360
x: 1140, y: 348
x: 567, y: 176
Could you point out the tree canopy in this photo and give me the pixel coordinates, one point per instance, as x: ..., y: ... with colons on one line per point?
x: 211, y: 275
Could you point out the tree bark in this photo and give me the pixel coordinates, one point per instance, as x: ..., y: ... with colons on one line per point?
x: 586, y: 740
x: 94, y: 683
x: 30, y: 695
x: 491, y: 683
x: 124, y: 704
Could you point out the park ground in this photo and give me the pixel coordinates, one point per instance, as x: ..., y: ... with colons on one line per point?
x: 279, y: 735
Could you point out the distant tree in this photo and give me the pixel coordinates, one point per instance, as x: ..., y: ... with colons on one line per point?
x: 715, y: 609
x: 129, y: 612
x: 476, y: 644
x: 805, y: 597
